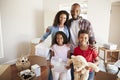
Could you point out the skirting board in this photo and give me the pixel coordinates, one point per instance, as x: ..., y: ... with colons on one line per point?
x: 11, y: 61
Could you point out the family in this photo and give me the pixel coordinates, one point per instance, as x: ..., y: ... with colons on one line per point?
x: 73, y: 36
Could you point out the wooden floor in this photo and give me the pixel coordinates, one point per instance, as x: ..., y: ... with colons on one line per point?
x: 44, y: 73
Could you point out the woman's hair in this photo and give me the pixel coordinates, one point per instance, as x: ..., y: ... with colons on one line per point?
x: 65, y: 40
x: 83, y: 31
x: 57, y: 17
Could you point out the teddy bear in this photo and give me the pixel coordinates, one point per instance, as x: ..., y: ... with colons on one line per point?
x: 80, y: 72
x: 23, y: 63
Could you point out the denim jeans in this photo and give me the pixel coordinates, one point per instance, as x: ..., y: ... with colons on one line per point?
x: 72, y: 72
x: 50, y: 77
x: 91, y: 75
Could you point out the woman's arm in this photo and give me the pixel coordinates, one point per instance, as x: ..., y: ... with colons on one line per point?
x: 48, y: 32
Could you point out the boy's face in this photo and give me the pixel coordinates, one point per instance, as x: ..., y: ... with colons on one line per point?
x: 83, y: 38
x: 75, y: 11
x: 59, y: 39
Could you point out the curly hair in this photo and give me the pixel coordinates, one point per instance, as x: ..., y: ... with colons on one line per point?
x: 57, y: 20
x: 83, y: 31
x: 65, y: 40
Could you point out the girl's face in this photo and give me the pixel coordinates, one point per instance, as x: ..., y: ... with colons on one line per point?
x: 62, y: 18
x: 83, y: 39
x: 59, y: 39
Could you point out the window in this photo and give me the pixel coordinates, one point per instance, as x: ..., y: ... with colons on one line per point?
x: 83, y: 5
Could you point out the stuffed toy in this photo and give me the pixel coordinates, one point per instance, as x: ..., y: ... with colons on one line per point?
x: 22, y: 63
x: 80, y: 72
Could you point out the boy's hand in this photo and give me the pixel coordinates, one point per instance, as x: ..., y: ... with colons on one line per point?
x: 77, y: 71
x: 88, y: 68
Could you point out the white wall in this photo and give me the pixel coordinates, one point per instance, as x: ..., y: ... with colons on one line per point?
x: 115, y: 0
x: 99, y: 15
x: 114, y: 34
x: 1, y: 40
x: 22, y: 20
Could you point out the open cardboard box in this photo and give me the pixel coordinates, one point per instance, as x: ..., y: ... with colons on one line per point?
x: 105, y: 76
x: 41, y: 61
x: 101, y: 75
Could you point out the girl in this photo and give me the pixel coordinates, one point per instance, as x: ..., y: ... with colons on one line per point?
x: 59, y: 57
x: 59, y: 24
x: 86, y: 51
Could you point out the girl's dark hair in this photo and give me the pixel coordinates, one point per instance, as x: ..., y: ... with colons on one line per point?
x: 65, y: 40
x: 83, y: 31
x: 57, y: 20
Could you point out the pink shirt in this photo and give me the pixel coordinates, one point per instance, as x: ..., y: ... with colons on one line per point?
x: 60, y: 51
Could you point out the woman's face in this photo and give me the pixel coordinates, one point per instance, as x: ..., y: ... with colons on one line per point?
x: 59, y: 39
x: 62, y: 18
x: 83, y: 39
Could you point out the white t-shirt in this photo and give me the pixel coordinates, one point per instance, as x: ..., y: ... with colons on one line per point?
x: 74, y: 29
x: 61, y: 29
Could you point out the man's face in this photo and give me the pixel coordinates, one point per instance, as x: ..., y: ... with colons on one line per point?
x: 75, y: 11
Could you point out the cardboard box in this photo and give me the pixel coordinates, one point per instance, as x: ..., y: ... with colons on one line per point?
x: 105, y: 76
x: 110, y: 46
x: 41, y: 61
x: 33, y: 49
x: 5, y: 72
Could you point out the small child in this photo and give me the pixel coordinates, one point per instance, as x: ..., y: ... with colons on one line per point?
x: 59, y: 57
x: 90, y: 54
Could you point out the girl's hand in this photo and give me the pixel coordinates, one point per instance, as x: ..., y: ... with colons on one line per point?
x: 67, y: 67
x: 51, y: 66
x: 68, y: 45
x: 69, y: 55
x: 52, y: 53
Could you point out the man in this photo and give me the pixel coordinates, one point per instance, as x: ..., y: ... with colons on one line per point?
x: 75, y: 24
